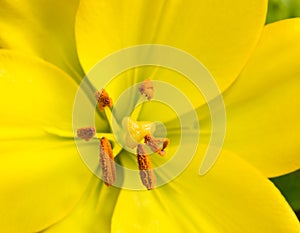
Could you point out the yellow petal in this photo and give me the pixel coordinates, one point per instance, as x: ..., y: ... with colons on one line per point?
x: 93, y: 213
x: 219, y: 34
x: 42, y: 175
x: 166, y: 83
x: 37, y: 98
x: 41, y: 180
x: 41, y: 28
x: 263, y: 105
x: 232, y: 197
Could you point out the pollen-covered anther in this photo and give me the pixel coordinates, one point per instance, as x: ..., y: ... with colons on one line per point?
x: 103, y: 100
x: 107, y: 162
x: 146, y: 173
x: 147, y: 88
x: 86, y: 133
x: 153, y: 144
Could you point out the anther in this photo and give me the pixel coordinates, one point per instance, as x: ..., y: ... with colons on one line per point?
x: 107, y: 162
x: 86, y: 133
x: 153, y: 144
x: 146, y: 173
x: 147, y: 88
x: 103, y: 100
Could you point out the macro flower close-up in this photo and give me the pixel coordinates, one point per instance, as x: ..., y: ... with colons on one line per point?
x: 88, y: 147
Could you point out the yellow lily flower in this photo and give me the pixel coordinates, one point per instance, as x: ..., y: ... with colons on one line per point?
x: 45, y: 186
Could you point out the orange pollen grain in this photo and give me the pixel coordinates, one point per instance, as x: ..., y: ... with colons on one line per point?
x: 103, y: 100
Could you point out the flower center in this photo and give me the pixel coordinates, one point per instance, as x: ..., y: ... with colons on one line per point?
x: 137, y: 135
x: 136, y: 131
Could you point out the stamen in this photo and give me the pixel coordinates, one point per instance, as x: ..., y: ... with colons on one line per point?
x: 147, y: 88
x: 146, y: 173
x: 107, y: 162
x: 86, y: 133
x: 153, y: 144
x: 103, y: 100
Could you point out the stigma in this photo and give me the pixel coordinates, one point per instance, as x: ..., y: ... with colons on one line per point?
x: 135, y: 131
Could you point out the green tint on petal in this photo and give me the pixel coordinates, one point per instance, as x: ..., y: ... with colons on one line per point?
x: 263, y: 105
x: 41, y: 28
x: 232, y: 197
x: 221, y: 34
x: 93, y: 213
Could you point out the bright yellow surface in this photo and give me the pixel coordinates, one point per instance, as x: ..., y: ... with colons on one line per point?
x: 221, y: 34
x: 263, y: 106
x: 232, y: 197
x: 41, y: 28
x: 43, y: 182
x: 41, y: 175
